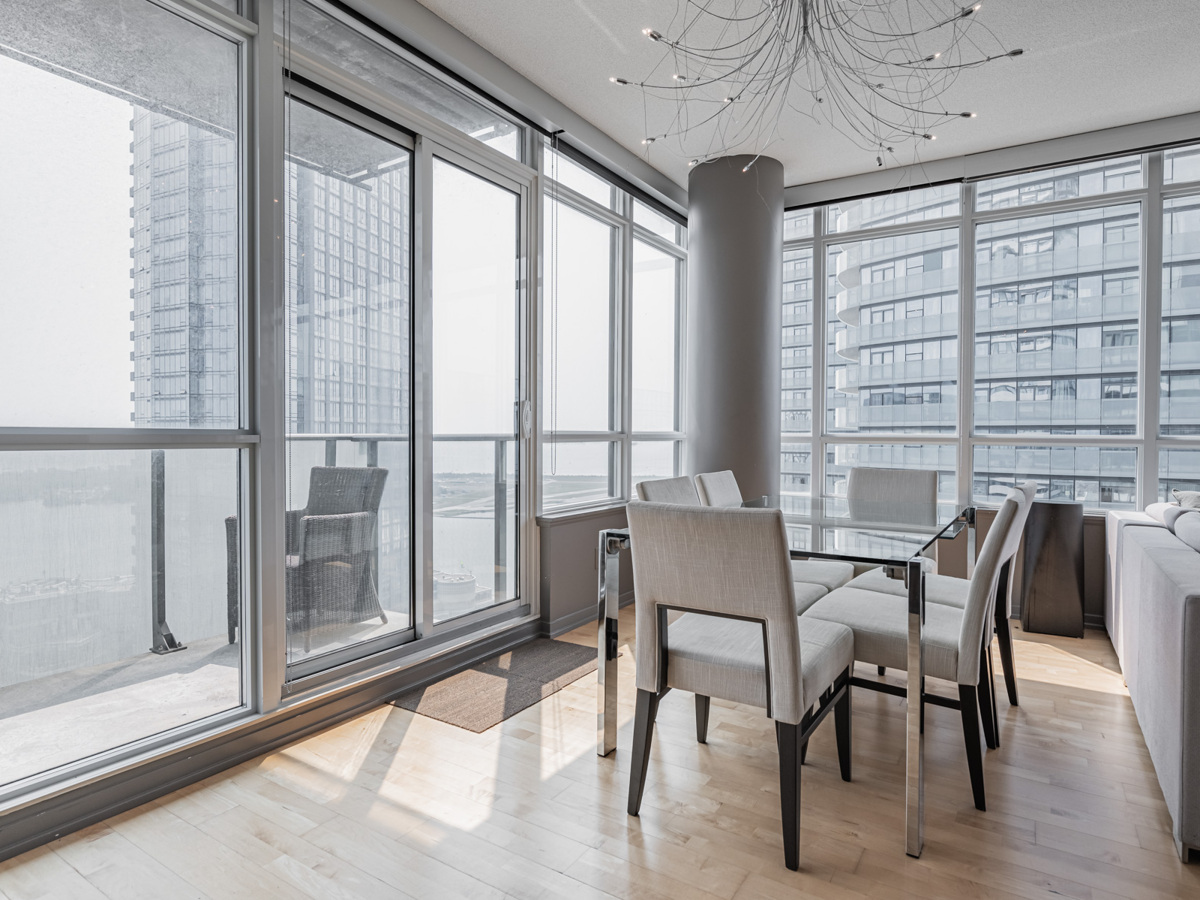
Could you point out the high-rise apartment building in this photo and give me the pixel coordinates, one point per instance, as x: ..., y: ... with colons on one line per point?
x: 185, y: 274
x: 1054, y: 342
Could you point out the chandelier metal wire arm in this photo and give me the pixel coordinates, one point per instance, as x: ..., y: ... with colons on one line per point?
x: 876, y: 70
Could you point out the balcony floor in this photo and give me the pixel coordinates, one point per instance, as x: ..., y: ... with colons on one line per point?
x: 392, y: 804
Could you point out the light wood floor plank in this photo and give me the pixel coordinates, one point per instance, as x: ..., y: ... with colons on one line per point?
x: 392, y: 804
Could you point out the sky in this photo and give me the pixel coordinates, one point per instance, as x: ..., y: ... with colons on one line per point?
x: 64, y: 252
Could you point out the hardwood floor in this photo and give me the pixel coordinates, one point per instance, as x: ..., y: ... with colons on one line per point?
x: 392, y: 804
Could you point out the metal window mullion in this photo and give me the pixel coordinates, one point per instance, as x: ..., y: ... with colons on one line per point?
x: 1150, y: 355
x: 527, y: 556
x: 820, y: 342
x: 422, y: 386
x: 623, y: 348
x: 681, y: 385
x: 264, y: 493
x: 213, y: 17
x: 966, y: 346
x: 1075, y: 204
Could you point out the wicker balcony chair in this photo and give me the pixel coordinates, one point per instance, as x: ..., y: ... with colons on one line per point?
x: 332, y: 547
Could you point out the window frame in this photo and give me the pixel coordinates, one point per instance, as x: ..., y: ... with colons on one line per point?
x: 621, y: 436
x: 1146, y: 437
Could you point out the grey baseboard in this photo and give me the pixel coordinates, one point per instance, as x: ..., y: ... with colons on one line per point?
x: 1093, y: 620
x: 571, y: 621
x: 31, y: 826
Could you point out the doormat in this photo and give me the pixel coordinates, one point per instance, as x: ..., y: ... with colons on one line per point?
x: 490, y: 691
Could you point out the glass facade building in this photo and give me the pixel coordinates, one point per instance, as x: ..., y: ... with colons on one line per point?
x: 994, y: 332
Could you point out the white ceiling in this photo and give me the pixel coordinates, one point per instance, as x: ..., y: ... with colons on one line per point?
x: 1088, y: 64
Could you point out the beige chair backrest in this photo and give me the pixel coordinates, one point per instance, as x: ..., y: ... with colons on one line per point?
x: 732, y: 562
x: 981, y: 592
x: 718, y: 489
x: 899, y: 496
x: 679, y: 490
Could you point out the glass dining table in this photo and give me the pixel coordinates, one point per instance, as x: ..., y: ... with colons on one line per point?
x: 900, y: 537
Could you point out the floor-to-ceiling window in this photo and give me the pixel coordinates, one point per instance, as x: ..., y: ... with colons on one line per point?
x: 612, y: 315
x: 992, y: 331
x: 122, y: 446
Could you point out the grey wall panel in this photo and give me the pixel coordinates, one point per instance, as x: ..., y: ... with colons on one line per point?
x: 569, y: 569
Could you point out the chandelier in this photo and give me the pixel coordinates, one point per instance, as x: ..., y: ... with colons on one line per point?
x: 876, y: 70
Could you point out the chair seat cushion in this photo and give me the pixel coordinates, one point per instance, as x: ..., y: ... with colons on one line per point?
x: 880, y: 626
x: 808, y: 594
x: 723, y: 658
x: 944, y: 589
x: 826, y: 572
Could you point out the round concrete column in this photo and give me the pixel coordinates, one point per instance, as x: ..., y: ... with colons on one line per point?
x: 735, y: 274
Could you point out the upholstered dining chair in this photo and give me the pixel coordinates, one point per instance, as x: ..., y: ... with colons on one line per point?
x: 951, y: 591
x: 814, y: 577
x: 953, y: 639
x: 738, y: 638
x: 910, y: 495
x: 679, y: 490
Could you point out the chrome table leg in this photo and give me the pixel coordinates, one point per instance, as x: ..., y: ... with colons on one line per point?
x: 610, y: 549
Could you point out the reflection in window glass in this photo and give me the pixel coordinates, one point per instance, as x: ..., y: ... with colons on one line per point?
x: 1178, y: 470
x: 119, y: 251
x: 654, y: 338
x: 1064, y: 183
x: 655, y: 221
x: 797, y: 224
x: 919, y: 205
x: 1056, y: 323
x: 575, y: 473
x: 1098, y: 477
x: 1181, y: 164
x: 80, y: 606
x: 576, y: 317
x: 475, y: 391
x: 796, y: 379
x: 795, y: 479
x: 652, y: 460
x: 314, y: 33
x: 841, y: 458
x: 1180, y: 391
x: 892, y: 333
x: 347, y: 308
x: 567, y: 172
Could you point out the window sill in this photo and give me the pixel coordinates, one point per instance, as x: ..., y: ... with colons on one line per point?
x: 580, y: 514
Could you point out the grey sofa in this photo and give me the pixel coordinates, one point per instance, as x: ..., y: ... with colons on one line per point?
x: 1153, y: 617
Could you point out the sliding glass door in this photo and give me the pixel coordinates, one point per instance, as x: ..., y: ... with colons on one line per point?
x: 476, y: 292
x: 348, y: 463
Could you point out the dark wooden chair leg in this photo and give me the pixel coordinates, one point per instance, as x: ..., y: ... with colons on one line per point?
x: 702, y: 719
x: 995, y: 700
x: 882, y: 670
x: 969, y: 707
x: 841, y: 725
x: 987, y: 698
x: 643, y: 733
x: 1004, y: 634
x: 788, y: 739
x: 804, y: 723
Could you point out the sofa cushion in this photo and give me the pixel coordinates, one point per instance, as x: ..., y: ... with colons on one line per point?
x: 1188, y: 499
x: 1187, y: 529
x: 1168, y: 513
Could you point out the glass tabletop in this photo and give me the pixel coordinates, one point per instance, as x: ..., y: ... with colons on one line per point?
x: 874, y: 531
x: 878, y: 532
